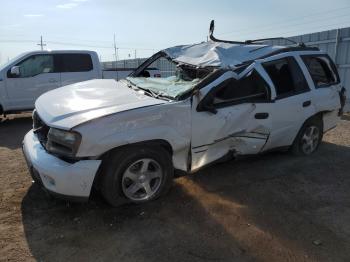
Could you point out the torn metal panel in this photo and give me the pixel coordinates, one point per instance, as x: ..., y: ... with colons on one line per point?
x: 217, y: 54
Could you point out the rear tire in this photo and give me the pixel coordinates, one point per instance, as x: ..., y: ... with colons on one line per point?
x: 136, y: 174
x: 309, y: 137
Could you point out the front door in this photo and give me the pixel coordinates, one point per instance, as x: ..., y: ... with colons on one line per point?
x: 233, y: 117
x: 37, y: 76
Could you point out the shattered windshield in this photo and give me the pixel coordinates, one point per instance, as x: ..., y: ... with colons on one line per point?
x: 171, y: 86
x: 163, y: 77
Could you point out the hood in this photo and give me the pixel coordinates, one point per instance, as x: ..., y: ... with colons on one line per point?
x: 75, y: 104
x: 218, y: 54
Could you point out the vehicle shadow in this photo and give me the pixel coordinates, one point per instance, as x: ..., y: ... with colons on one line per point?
x: 174, y: 228
x: 346, y: 117
x: 13, y: 129
x: 274, y: 207
x: 303, y: 202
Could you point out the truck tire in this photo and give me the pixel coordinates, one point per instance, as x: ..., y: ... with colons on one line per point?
x: 309, y: 137
x: 136, y: 174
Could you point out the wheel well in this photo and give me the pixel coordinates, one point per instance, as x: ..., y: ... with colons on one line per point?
x: 318, y: 116
x: 151, y: 143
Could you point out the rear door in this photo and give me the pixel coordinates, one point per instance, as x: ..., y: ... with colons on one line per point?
x: 327, y: 85
x: 230, y: 115
x: 293, y: 103
x: 75, y: 68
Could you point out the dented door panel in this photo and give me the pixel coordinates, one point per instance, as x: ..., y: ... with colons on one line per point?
x: 233, y: 129
x: 238, y: 129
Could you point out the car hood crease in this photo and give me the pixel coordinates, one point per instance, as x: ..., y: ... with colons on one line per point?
x: 75, y: 104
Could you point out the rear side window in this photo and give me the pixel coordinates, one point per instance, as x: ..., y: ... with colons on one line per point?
x: 251, y: 88
x: 75, y: 62
x: 322, y: 70
x: 286, y: 76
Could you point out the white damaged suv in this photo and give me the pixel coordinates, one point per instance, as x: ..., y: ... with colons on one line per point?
x: 215, y: 100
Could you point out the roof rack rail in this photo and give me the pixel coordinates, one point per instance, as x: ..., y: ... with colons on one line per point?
x: 248, y: 42
x: 301, y: 44
x: 211, y: 31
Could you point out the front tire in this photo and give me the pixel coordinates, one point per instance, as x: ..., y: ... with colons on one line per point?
x: 309, y: 137
x: 136, y: 174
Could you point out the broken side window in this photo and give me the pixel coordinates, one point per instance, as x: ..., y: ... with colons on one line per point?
x: 286, y: 76
x: 321, y: 71
x: 251, y: 88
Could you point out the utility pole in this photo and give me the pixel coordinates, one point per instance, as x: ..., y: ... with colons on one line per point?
x: 135, y: 53
x: 41, y: 43
x: 116, y: 56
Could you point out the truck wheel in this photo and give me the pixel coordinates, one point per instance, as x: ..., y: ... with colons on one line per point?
x: 309, y: 137
x: 136, y: 174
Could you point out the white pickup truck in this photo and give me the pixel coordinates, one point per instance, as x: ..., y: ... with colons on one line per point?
x: 26, y: 77
x: 128, y: 138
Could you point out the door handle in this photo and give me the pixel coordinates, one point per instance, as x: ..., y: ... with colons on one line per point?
x: 261, y: 115
x: 52, y: 80
x: 307, y: 103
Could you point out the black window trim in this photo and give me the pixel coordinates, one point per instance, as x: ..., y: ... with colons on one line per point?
x: 59, y: 61
x: 240, y: 101
x: 333, y: 68
x: 9, y: 75
x: 211, y: 95
x: 291, y: 93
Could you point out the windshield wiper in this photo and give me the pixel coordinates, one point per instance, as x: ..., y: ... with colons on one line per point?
x: 164, y: 95
x: 158, y: 95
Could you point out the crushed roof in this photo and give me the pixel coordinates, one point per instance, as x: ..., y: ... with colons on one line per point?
x: 218, y: 54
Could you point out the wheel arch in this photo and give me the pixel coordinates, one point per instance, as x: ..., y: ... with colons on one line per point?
x: 151, y: 143
x: 148, y: 143
x: 318, y: 115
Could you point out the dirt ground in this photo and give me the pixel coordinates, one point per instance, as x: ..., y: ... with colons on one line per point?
x: 274, y: 207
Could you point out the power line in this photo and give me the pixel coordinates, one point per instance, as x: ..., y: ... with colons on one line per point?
x: 317, y: 28
x: 293, y: 25
x: 284, y: 21
x: 96, y: 46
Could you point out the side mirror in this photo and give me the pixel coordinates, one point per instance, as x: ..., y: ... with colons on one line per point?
x: 145, y: 73
x: 15, y: 71
x: 210, y: 108
x: 207, y: 106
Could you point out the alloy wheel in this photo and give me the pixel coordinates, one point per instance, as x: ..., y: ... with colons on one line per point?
x: 142, y: 179
x: 310, y: 139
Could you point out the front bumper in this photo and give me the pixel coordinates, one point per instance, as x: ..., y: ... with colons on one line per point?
x: 68, y: 180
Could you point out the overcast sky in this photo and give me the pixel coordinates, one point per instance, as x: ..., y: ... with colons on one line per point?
x: 151, y: 25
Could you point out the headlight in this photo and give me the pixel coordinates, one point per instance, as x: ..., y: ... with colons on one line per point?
x: 64, y: 143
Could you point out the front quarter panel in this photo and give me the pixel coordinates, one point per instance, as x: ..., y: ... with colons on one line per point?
x: 170, y: 122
